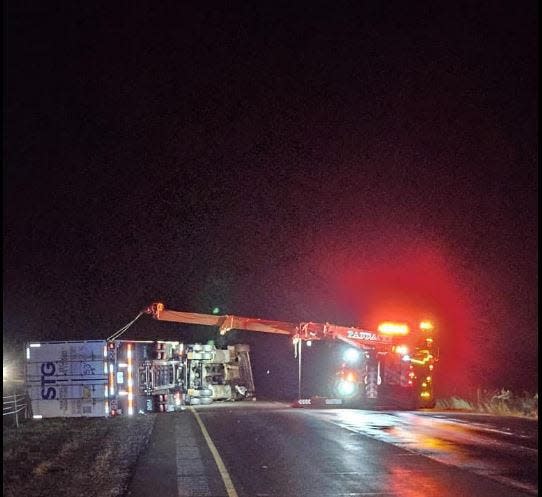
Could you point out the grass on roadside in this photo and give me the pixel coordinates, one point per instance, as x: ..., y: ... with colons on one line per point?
x: 501, y: 403
x: 73, y: 456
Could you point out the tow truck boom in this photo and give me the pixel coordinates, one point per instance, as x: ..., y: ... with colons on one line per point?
x: 354, y: 336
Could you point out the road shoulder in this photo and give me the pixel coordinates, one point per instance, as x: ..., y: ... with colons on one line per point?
x: 177, y: 461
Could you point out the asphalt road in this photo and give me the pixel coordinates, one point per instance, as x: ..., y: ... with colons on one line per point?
x: 272, y: 450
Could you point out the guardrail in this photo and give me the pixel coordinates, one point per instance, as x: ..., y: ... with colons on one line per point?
x: 13, y: 404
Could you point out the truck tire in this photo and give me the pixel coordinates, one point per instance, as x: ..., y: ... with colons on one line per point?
x: 201, y: 356
x: 411, y: 403
x: 202, y: 392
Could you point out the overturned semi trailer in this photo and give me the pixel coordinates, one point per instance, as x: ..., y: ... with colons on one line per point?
x: 125, y: 377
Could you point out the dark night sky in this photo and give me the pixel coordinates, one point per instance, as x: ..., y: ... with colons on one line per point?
x: 289, y: 163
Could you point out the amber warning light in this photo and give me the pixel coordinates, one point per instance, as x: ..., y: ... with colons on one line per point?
x: 389, y: 328
x: 426, y: 325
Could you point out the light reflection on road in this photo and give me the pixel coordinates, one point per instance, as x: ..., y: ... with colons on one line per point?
x: 448, y: 441
x: 412, y: 484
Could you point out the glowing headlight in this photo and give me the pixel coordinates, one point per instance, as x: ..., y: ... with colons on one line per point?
x: 346, y: 388
x: 351, y: 355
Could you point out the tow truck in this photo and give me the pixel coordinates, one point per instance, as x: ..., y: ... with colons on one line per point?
x: 396, y: 366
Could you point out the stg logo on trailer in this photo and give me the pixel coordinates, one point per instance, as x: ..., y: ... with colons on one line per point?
x: 47, y: 370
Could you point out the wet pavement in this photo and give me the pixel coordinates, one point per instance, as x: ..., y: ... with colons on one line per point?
x: 271, y: 450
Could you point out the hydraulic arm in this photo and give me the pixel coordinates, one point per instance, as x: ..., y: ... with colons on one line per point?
x: 357, y: 337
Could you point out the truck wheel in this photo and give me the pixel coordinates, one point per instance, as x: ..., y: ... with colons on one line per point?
x: 201, y: 356
x: 202, y: 392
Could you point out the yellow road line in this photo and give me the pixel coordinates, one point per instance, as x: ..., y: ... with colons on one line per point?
x: 218, y: 460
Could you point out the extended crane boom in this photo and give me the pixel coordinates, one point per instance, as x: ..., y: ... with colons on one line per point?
x: 357, y: 337
x: 223, y: 323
